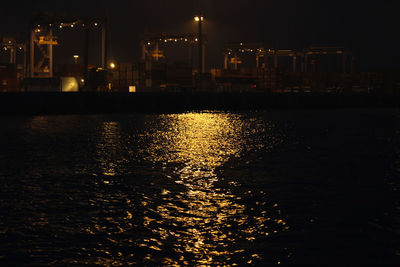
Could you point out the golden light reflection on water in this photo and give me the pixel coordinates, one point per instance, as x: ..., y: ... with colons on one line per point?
x: 107, y: 148
x: 205, y: 221
x: 158, y: 194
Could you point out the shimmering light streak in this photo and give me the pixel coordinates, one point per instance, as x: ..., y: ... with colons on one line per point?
x: 210, y: 220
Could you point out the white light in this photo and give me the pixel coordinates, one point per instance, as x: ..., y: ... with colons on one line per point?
x: 198, y: 18
x: 148, y: 43
x: 96, y: 24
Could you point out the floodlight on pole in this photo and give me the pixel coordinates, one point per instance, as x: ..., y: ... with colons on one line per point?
x: 76, y: 57
x: 112, y: 65
x: 199, y: 19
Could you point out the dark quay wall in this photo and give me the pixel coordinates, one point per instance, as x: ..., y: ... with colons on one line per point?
x: 93, y: 103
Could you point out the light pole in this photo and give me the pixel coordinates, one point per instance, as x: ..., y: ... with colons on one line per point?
x: 199, y: 19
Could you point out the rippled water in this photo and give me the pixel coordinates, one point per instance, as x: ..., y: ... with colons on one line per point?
x: 204, y: 188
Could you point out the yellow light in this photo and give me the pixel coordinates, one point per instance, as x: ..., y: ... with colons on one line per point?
x: 132, y: 89
x: 76, y: 57
x: 198, y: 18
x: 112, y: 65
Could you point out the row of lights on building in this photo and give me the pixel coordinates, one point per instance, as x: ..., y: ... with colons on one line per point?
x: 5, y: 48
x: 196, y: 18
x: 65, y: 25
x: 174, y: 40
x: 260, y: 50
x: 249, y: 50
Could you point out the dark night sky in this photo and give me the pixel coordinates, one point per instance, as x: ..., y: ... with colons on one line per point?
x: 369, y: 28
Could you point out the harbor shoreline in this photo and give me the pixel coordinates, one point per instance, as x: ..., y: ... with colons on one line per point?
x: 97, y: 103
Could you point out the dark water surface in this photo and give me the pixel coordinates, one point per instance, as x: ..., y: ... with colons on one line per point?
x: 316, y: 187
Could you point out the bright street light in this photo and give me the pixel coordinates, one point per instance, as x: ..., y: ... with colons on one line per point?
x: 112, y: 65
x: 198, y: 18
x: 76, y: 57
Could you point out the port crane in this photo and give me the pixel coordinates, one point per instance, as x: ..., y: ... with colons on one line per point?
x: 43, y: 38
x: 307, y: 57
x: 152, y: 42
